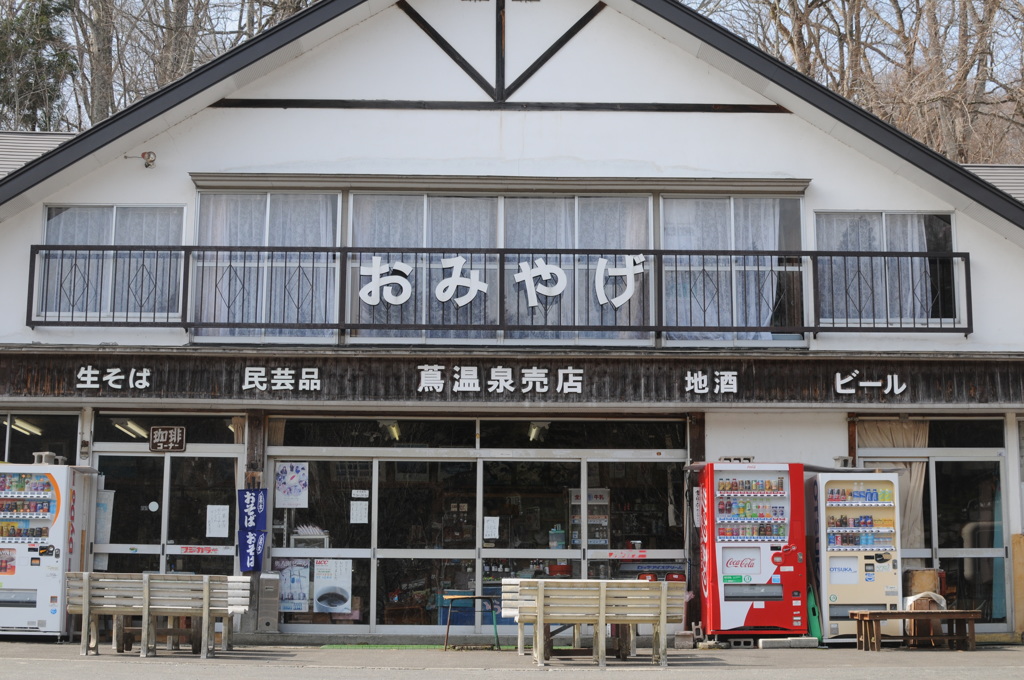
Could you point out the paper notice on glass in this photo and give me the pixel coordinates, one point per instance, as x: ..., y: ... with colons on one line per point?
x: 359, y: 512
x: 217, y: 521
x: 490, y: 527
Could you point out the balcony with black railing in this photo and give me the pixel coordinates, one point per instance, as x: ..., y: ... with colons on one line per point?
x: 417, y: 295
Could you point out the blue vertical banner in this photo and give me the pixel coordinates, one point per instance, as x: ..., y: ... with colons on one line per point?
x: 252, y: 509
x: 250, y: 550
x: 252, y: 528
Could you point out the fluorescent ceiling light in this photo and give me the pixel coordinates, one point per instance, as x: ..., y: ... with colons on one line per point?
x: 536, y: 430
x: 391, y: 427
x: 125, y: 430
x: 131, y: 428
x: 25, y: 427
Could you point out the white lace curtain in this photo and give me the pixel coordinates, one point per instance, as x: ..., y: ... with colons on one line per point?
x: 702, y: 288
x: 146, y: 282
x: 862, y: 289
x: 298, y: 288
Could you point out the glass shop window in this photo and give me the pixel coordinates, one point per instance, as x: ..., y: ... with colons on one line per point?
x: 531, y: 501
x: 427, y: 504
x: 27, y: 433
x: 934, y: 434
x: 323, y: 591
x: 645, y: 504
x: 337, y: 508
x: 582, y: 434
x: 383, y: 433
x: 133, y: 428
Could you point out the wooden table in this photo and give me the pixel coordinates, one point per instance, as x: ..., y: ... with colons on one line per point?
x: 959, y: 627
x: 452, y: 599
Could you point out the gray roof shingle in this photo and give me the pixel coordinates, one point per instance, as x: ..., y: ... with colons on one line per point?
x: 18, y: 148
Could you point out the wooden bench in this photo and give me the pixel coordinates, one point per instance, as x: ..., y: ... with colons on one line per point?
x: 959, y: 627
x: 196, y: 598
x: 542, y: 602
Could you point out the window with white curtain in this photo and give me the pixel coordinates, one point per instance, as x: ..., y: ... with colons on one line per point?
x: 112, y: 282
x: 293, y: 285
x: 718, y: 278
x: 414, y: 222
x: 536, y: 227
x: 905, y: 289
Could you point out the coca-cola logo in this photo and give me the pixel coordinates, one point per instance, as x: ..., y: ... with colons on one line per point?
x: 743, y: 563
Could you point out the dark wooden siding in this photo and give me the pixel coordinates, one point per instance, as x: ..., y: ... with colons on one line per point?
x: 621, y: 379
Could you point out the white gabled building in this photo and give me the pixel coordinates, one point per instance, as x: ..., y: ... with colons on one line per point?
x: 460, y: 264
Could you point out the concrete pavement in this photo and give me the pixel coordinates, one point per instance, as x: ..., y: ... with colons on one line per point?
x: 47, y: 660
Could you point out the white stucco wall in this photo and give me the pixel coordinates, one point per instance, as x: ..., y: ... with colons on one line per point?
x: 811, y: 438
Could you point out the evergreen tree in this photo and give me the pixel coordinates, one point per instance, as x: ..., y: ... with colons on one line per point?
x: 36, y: 64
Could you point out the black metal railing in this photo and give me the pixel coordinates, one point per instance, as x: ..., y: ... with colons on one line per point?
x: 477, y: 292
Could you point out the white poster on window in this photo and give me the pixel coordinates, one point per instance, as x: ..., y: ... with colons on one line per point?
x: 218, y: 521
x: 291, y: 485
x: 332, y: 581
x: 294, y: 595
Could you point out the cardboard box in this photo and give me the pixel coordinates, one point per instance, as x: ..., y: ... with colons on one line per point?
x: 917, y: 581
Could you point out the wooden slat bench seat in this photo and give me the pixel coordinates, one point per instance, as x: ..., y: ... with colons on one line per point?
x: 543, y: 602
x: 201, y: 599
x: 959, y: 626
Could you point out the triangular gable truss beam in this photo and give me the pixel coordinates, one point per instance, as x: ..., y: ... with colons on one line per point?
x: 498, y: 93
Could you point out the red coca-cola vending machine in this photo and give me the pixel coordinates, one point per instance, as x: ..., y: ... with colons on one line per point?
x: 753, y: 549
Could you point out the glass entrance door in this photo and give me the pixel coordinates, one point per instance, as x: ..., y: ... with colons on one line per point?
x: 953, y: 519
x: 968, y: 535
x: 201, y: 506
x: 132, y: 504
x: 168, y: 512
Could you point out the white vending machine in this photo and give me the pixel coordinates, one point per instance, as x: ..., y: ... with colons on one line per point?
x: 856, y: 516
x: 45, y: 528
